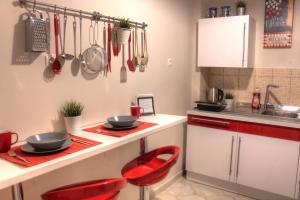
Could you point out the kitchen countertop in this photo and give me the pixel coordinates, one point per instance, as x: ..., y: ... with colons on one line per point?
x: 244, y: 112
x: 12, y: 174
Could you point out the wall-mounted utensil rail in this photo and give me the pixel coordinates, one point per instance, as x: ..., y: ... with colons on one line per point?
x: 76, y: 13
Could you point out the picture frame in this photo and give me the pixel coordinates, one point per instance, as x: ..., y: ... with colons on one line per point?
x: 278, y: 31
x: 147, y: 103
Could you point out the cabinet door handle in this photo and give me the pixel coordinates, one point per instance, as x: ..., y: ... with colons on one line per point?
x: 238, y: 158
x: 244, y: 44
x: 231, y: 155
x: 211, y: 122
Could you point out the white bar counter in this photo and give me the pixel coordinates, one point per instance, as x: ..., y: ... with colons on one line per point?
x: 11, y: 174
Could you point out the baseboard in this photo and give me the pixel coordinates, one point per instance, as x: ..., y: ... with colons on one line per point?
x: 235, y: 188
x: 157, y: 189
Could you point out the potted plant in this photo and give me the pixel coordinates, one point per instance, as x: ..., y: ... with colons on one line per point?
x: 229, y: 100
x: 241, y: 7
x: 72, y: 115
x: 124, y: 30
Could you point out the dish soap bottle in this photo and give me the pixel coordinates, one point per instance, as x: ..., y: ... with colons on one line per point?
x: 256, y: 99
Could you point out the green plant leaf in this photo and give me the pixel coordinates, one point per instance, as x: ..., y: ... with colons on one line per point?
x: 241, y: 3
x: 72, y: 108
x: 124, y: 23
x: 229, y: 95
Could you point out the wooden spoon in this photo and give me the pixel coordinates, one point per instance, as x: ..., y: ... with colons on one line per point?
x: 138, y: 53
x: 146, y: 55
x: 142, y: 62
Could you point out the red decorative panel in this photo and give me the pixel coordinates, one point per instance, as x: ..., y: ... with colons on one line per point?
x: 281, y: 132
x: 246, y: 127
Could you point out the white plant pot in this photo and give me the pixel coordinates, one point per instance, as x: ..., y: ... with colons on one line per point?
x: 241, y: 11
x: 72, y: 124
x: 229, y: 104
x: 123, y: 35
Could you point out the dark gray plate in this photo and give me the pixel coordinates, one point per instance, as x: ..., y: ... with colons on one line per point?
x: 121, y: 121
x: 29, y: 149
x: 111, y: 127
x: 47, y: 141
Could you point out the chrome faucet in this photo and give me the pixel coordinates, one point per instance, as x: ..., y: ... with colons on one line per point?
x: 267, y: 97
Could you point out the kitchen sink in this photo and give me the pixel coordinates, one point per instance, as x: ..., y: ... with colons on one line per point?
x: 277, y: 113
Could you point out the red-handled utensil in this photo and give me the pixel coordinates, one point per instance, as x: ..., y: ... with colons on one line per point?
x: 56, y: 66
x: 116, y: 45
x: 114, y: 41
x: 129, y: 61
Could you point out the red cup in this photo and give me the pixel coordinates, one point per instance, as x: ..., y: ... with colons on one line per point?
x: 136, y: 111
x: 6, y: 140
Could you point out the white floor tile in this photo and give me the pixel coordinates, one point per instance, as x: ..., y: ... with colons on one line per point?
x: 187, y: 190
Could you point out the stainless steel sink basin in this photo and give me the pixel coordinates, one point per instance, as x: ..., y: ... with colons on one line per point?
x: 276, y: 113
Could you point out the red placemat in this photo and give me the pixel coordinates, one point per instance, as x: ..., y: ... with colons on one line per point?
x: 35, y: 159
x: 100, y: 129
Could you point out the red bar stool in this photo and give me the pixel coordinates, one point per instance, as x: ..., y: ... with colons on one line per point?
x: 107, y: 189
x: 150, y: 168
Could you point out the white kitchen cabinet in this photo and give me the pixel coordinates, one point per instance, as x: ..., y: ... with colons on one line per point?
x: 260, y: 156
x: 226, y: 42
x: 210, y: 152
x: 268, y: 164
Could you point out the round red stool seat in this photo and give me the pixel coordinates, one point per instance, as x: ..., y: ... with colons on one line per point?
x: 150, y: 168
x: 107, y: 189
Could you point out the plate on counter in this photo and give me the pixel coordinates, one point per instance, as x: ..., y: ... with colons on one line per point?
x: 27, y: 148
x: 116, y: 128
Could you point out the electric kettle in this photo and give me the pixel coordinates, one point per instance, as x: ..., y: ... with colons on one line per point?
x: 215, y: 95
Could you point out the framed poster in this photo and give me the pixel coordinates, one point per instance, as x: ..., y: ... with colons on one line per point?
x: 147, y: 103
x: 279, y: 16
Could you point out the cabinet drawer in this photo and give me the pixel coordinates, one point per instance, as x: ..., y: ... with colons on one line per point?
x: 269, y: 131
x: 210, y: 122
x: 252, y: 128
x: 280, y: 132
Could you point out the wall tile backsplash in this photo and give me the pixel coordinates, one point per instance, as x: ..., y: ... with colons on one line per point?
x: 242, y: 83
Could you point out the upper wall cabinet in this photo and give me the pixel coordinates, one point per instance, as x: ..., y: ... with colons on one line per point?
x: 226, y: 42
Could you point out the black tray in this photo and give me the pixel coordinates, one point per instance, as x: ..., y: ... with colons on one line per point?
x: 206, y: 106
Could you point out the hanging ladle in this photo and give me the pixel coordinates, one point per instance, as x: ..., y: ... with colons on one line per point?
x: 65, y: 55
x: 81, y: 59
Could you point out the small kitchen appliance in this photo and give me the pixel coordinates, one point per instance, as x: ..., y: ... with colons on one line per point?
x: 207, y: 106
x: 215, y: 95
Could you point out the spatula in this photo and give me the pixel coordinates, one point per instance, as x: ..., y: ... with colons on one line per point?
x: 129, y: 61
x: 123, y: 72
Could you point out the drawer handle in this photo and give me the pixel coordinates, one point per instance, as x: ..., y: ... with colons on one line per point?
x: 210, y: 121
x: 238, y: 158
x: 231, y: 155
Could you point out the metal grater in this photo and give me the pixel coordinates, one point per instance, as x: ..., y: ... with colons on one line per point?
x: 36, y: 33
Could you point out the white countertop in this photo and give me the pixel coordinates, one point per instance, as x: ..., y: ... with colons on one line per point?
x: 11, y: 174
x: 248, y: 118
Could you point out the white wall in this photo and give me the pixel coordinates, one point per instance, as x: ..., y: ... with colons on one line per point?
x: 30, y: 100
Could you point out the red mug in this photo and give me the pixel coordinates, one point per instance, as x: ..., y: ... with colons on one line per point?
x: 136, y: 111
x: 6, y: 140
